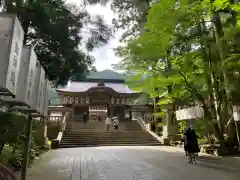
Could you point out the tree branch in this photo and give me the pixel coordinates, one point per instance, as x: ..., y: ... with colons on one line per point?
x: 194, y: 91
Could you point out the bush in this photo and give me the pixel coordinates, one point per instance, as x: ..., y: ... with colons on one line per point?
x: 159, y: 127
x: 13, y: 138
x: 202, y: 141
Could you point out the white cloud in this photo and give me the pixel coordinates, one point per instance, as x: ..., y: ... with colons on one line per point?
x: 104, y: 55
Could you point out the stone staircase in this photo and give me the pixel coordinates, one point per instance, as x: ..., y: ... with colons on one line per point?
x: 78, y: 134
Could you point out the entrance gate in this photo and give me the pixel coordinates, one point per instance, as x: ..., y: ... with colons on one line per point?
x: 97, y: 113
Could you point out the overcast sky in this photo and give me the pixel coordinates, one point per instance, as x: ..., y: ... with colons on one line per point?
x: 104, y: 55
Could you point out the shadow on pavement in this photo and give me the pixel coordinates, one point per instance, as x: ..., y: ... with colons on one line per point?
x: 220, y: 163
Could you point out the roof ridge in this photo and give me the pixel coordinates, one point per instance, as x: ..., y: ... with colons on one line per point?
x: 85, y: 86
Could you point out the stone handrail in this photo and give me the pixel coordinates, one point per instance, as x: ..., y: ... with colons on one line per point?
x: 59, y: 137
x: 63, y: 124
x: 56, y: 142
x: 146, y: 126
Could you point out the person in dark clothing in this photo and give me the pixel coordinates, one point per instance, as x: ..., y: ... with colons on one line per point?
x: 191, y: 144
x: 85, y: 118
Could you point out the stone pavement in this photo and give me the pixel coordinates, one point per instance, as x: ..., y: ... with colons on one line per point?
x: 129, y: 163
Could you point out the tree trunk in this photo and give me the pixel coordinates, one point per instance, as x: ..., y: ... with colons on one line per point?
x: 225, y: 105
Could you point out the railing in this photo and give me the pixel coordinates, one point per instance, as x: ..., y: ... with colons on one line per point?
x: 146, y: 126
x: 62, y: 120
x: 63, y: 124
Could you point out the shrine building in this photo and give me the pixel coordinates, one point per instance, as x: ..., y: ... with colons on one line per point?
x: 98, y: 97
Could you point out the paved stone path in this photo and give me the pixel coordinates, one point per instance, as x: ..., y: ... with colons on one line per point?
x: 129, y: 163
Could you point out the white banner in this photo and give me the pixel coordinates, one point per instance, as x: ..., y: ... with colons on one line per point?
x: 189, y: 113
x: 197, y: 112
x: 236, y: 113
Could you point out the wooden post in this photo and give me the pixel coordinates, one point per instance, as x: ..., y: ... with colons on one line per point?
x: 45, y: 131
x: 130, y: 112
x: 27, y: 147
x: 237, y: 133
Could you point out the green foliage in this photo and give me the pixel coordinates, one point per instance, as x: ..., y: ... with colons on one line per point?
x: 130, y: 15
x: 189, y: 50
x: 13, y: 140
x: 181, y: 127
x: 159, y: 114
x: 200, y: 128
x: 198, y: 125
x: 143, y: 99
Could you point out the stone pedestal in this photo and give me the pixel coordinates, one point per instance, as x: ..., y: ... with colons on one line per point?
x: 170, y: 130
x: 41, y: 134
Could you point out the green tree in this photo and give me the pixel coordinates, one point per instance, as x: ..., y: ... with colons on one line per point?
x: 196, y: 43
x: 130, y: 15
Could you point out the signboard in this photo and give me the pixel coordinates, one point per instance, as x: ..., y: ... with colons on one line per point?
x: 42, y: 95
x: 45, y: 107
x: 75, y: 100
x: 98, y: 108
x: 31, y: 71
x: 38, y: 76
x: 41, y: 91
x: 11, y: 42
x: 189, y: 113
x: 25, y: 79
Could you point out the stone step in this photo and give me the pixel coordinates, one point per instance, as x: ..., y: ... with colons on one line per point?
x: 98, y: 132
x: 78, y: 134
x: 106, y: 144
x: 108, y: 136
x: 100, y: 129
x: 107, y: 139
x: 106, y: 133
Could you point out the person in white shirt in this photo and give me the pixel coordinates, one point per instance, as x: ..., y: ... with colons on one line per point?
x: 116, y: 124
x: 108, y: 123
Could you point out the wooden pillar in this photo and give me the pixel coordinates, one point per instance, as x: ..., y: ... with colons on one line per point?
x: 110, y: 114
x: 111, y: 106
x: 130, y: 113
x: 73, y: 113
x: 45, y: 131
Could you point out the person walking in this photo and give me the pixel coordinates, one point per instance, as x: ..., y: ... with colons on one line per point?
x: 108, y: 123
x: 191, y: 144
x: 85, y: 118
x: 116, y: 124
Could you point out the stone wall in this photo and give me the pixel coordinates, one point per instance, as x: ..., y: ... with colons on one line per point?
x: 53, y: 130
